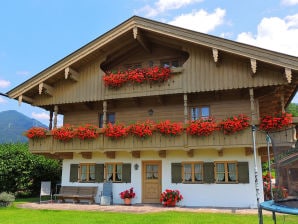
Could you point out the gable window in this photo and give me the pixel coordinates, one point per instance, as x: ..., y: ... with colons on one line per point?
x: 171, y: 63
x: 87, y: 172
x: 199, y: 112
x: 226, y: 172
x: 110, y: 119
x: 114, y: 172
x: 192, y: 172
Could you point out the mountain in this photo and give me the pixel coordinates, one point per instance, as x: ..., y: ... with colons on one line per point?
x: 13, y: 124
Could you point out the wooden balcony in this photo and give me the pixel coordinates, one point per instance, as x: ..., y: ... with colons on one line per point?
x: 158, y: 142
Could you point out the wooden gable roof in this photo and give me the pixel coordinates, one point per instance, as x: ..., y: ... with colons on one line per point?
x: 140, y: 32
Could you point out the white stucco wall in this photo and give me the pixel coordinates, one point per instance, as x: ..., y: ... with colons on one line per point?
x: 211, y: 195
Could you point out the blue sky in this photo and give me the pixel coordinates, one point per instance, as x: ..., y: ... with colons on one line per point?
x: 37, y: 33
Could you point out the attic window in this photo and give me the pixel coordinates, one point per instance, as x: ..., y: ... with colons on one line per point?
x: 171, y: 63
x: 133, y: 66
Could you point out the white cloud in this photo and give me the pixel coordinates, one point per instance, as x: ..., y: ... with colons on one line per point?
x: 289, y: 2
x: 201, y: 21
x: 4, y: 83
x: 164, y: 5
x: 22, y: 73
x: 275, y: 34
x: 40, y: 116
x: 2, y: 100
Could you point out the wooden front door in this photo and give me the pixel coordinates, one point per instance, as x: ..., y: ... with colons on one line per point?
x: 151, y: 180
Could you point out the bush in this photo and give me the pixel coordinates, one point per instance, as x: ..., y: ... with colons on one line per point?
x: 6, y: 199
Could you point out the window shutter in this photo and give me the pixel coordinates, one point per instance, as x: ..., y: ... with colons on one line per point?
x: 243, y: 173
x: 176, y: 173
x: 208, y: 170
x: 73, y: 176
x: 126, y: 173
x: 99, y: 173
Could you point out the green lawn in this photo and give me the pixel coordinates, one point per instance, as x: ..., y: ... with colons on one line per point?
x: 13, y: 215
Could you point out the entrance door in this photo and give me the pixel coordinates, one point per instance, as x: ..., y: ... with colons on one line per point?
x: 151, y: 176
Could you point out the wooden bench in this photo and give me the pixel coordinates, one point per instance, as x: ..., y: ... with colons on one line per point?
x: 77, y: 193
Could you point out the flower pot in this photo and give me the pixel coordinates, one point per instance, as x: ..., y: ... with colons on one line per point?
x: 127, y: 201
x: 170, y: 204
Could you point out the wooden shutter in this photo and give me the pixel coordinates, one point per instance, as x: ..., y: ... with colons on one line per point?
x: 126, y: 173
x: 243, y: 173
x: 176, y: 172
x: 99, y: 173
x: 73, y: 176
x: 208, y: 170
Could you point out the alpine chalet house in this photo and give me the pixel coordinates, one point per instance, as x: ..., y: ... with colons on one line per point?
x: 174, y: 110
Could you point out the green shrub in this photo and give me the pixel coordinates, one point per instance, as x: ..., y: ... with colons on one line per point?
x: 6, y: 199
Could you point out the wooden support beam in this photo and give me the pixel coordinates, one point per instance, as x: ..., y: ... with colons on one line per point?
x: 72, y: 74
x: 86, y: 155
x: 25, y: 98
x: 249, y: 151
x: 111, y: 154
x: 47, y: 89
x: 253, y: 65
x: 140, y: 38
x: 64, y: 155
x: 136, y: 154
x: 215, y: 54
x: 190, y: 153
x: 288, y: 74
x: 220, y: 153
x: 162, y: 153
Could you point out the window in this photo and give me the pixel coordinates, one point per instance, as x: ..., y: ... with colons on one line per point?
x: 114, y: 172
x: 192, y: 172
x: 110, y: 119
x: 199, y: 112
x: 133, y: 66
x: 170, y: 63
x: 226, y: 172
x: 87, y: 172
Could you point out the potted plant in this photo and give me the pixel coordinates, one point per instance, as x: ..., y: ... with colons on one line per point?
x: 202, y: 127
x: 169, y: 198
x: 142, y: 129
x: 116, y: 131
x: 275, y: 122
x: 169, y: 128
x: 64, y: 133
x: 127, y: 195
x: 36, y: 132
x: 6, y: 199
x: 87, y: 131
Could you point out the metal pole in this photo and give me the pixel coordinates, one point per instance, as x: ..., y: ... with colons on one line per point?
x: 268, y: 140
x: 253, y: 128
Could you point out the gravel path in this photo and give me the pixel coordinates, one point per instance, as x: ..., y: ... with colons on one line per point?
x: 136, y: 208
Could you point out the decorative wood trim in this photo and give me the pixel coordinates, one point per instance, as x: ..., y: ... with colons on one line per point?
x: 220, y: 152
x: 162, y: 153
x: 48, y: 89
x: 72, y: 74
x: 136, y: 154
x: 190, y: 153
x: 288, y: 74
x: 248, y: 151
x: 64, y: 155
x: 140, y: 38
x: 177, y: 70
x: 253, y: 64
x: 110, y: 154
x: 25, y: 98
x: 215, y: 54
x: 86, y: 155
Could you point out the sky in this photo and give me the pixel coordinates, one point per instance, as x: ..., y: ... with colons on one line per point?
x: 34, y: 34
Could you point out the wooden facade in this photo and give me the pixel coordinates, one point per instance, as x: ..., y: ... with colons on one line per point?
x: 229, y: 78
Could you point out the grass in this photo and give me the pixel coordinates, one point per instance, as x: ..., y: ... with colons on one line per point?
x: 14, y: 215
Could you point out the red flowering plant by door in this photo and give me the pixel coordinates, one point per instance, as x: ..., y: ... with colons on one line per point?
x: 275, y: 122
x: 169, y: 128
x: 202, y: 127
x: 127, y: 193
x: 36, y: 132
x: 170, y: 197
x: 64, y: 133
x: 234, y: 124
x: 142, y: 129
x: 87, y: 131
x: 115, y: 131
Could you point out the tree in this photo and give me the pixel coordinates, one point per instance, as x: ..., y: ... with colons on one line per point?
x: 21, y: 171
x: 293, y: 109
